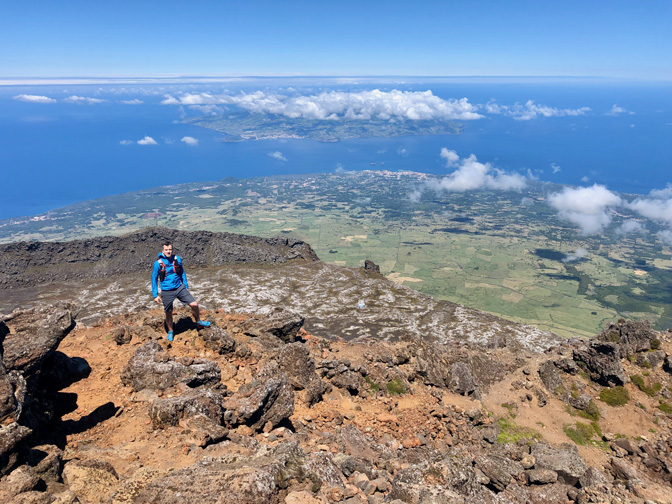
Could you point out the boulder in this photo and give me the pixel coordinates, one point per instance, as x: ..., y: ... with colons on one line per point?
x: 370, y: 267
x: 91, y: 480
x: 151, y: 367
x: 202, y: 401
x: 550, y: 376
x: 603, y: 361
x: 461, y: 380
x: 235, y: 480
x: 592, y: 478
x: 10, y: 437
x: 282, y: 324
x: 623, y: 470
x: 541, y: 476
x: 338, y: 372
x: 564, y: 461
x: 650, y: 360
x: 217, y: 340
x: 632, y: 337
x: 21, y: 480
x: 262, y: 400
x: 294, y: 360
x: 499, y: 469
x: 36, y: 332
x: 61, y: 371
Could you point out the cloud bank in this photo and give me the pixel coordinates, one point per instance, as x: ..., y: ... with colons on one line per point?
x: 587, y: 207
x: 189, y: 140
x: 338, y: 105
x: 530, y: 110
x: 34, y: 98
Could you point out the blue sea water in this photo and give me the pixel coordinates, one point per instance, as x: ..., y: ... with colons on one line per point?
x: 54, y: 154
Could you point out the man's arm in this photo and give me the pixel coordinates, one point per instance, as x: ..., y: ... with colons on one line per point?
x: 184, y: 273
x: 155, y: 277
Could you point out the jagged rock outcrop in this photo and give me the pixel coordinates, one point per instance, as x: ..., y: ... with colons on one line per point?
x: 265, y: 400
x: 632, y: 337
x: 30, y: 263
x: 603, y: 361
x: 282, y: 324
x: 202, y: 401
x: 565, y: 461
x: 152, y: 367
x: 295, y: 361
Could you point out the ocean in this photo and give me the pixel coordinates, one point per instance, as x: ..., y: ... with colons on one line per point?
x: 57, y: 153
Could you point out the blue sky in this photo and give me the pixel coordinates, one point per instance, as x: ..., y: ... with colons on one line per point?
x: 611, y: 38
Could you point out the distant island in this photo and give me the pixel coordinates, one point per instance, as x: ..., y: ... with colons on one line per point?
x: 242, y: 125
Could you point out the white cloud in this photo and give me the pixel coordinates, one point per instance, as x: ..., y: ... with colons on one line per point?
x: 579, y: 254
x: 665, y: 236
x: 585, y: 179
x: 556, y: 168
x: 662, y: 193
x: 189, y: 140
x: 616, y: 111
x: 147, y: 141
x: 530, y: 110
x: 471, y: 174
x: 34, y: 98
x: 126, y: 142
x: 402, y: 152
x: 134, y: 101
x: 336, y: 105
x: 629, y: 227
x: 658, y: 207
x: 587, y: 207
x: 451, y: 157
x: 83, y: 99
x: 277, y: 155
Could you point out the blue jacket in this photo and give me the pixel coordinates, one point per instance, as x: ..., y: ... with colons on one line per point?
x: 172, y: 281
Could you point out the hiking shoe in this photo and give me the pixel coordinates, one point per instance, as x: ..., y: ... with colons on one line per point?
x: 170, y: 336
x: 203, y: 323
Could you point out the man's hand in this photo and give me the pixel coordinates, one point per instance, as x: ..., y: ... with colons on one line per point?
x: 158, y: 299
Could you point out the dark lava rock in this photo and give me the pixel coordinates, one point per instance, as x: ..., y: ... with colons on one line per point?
x: 339, y: 373
x: 592, y: 478
x: 217, y: 340
x: 282, y: 324
x: 151, y: 367
x: 29, y: 263
x: 499, y: 469
x: 542, y: 398
x: 201, y: 401
x: 550, y: 376
x: 268, y: 399
x: 603, y: 362
x: 122, y: 335
x: 61, y: 371
x: 650, y: 360
x: 10, y: 437
x: 461, y: 380
x: 564, y: 461
x: 371, y: 267
x: 623, y: 470
x: 294, y: 360
x: 580, y: 402
x: 36, y: 333
x: 632, y: 337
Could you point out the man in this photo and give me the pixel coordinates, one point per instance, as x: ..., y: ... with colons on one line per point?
x: 168, y: 271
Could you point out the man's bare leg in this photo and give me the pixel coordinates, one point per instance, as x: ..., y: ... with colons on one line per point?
x: 195, y: 311
x: 169, y: 320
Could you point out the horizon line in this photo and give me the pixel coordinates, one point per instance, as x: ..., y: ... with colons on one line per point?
x: 177, y: 78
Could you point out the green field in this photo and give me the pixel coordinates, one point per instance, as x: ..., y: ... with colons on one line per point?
x: 500, y: 252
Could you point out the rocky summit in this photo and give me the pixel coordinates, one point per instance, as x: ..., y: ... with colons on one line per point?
x: 259, y: 408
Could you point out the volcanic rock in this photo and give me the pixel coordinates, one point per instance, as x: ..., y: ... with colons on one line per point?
x: 603, y: 361
x: 151, y: 367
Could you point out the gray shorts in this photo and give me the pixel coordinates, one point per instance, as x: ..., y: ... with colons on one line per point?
x: 180, y: 293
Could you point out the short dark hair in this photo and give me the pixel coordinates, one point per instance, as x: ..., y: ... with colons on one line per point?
x: 167, y: 243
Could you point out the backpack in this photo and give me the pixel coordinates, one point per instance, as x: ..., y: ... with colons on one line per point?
x: 177, y: 267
